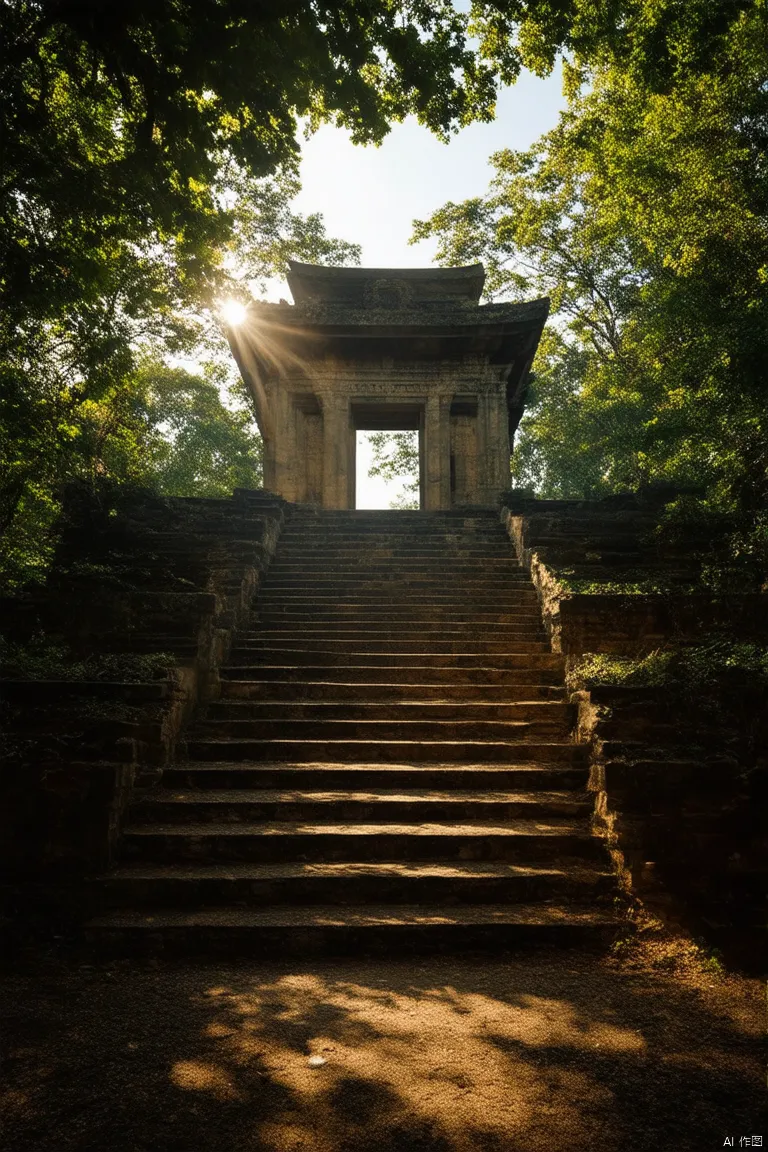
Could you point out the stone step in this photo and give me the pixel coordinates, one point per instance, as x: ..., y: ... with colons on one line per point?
x: 457, y: 882
x: 397, y: 544
x: 399, y: 523
x: 394, y: 548
x: 453, y: 601
x: 483, y: 536
x: 440, y: 583
x: 520, y: 839
x: 188, y: 806
x: 391, y: 751
x: 398, y: 555
x: 385, y: 613
x: 528, y: 776
x: 328, y: 532
x: 292, y: 691
x: 389, y: 763
x: 452, y: 595
x: 379, y: 630
x: 436, y: 576
x: 358, y: 563
x: 299, y: 930
x: 400, y: 621
x: 364, y: 561
x: 308, y: 514
x: 447, y: 522
x: 356, y: 567
x: 427, y: 644
x: 428, y: 538
x: 361, y: 617
x: 355, y: 710
x: 547, y: 673
x: 539, y: 657
x: 382, y: 631
x: 299, y: 728
x: 373, y: 538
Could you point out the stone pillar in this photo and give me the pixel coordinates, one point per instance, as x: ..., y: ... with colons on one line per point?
x: 499, y: 449
x: 268, y: 466
x: 336, y: 452
x: 282, y: 448
x: 437, y: 453
x: 492, y: 447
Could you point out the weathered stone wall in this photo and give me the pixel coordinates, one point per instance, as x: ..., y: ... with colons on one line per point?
x: 311, y: 455
x: 612, y: 541
x: 680, y: 779
x: 681, y: 784
x: 153, y: 576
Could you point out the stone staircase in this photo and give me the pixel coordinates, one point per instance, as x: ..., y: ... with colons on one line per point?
x: 389, y: 764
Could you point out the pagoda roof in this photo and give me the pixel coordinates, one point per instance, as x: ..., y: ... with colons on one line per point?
x: 384, y: 288
x: 355, y: 313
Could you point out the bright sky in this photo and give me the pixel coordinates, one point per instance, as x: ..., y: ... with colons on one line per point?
x: 372, y: 195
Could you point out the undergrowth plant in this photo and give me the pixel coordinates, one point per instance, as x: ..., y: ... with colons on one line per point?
x: 693, y: 667
x: 42, y: 659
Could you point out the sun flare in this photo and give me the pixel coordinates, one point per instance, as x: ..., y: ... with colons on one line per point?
x: 233, y: 312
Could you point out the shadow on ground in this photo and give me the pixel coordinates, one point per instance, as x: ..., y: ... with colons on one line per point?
x: 557, y: 1052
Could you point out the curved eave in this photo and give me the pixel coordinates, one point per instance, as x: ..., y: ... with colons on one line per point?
x: 285, y: 322
x: 502, y: 340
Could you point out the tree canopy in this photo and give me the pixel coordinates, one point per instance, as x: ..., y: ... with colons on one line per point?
x: 644, y: 216
x: 395, y: 456
x: 148, y: 157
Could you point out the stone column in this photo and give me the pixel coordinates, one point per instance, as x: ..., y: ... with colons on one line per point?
x: 437, y: 453
x: 282, y: 447
x: 499, y: 450
x: 492, y: 447
x: 336, y: 452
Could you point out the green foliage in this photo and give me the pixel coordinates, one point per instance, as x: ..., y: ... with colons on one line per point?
x: 654, y: 40
x: 194, y: 443
x: 408, y: 500
x: 733, y: 558
x: 396, y: 457
x: 632, y: 583
x: 643, y: 215
x: 693, y: 668
x: 148, y: 163
x: 92, y: 394
x: 159, y: 427
x: 43, y: 659
x: 149, y: 159
x: 602, y: 668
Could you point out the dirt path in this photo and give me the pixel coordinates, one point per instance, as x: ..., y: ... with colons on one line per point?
x: 554, y: 1052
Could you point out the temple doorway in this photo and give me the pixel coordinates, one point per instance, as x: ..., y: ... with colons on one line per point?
x: 376, y: 487
x: 389, y: 469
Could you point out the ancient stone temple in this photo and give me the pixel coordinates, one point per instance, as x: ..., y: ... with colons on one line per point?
x: 388, y: 348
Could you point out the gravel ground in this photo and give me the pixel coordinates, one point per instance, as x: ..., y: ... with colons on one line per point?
x: 556, y: 1052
